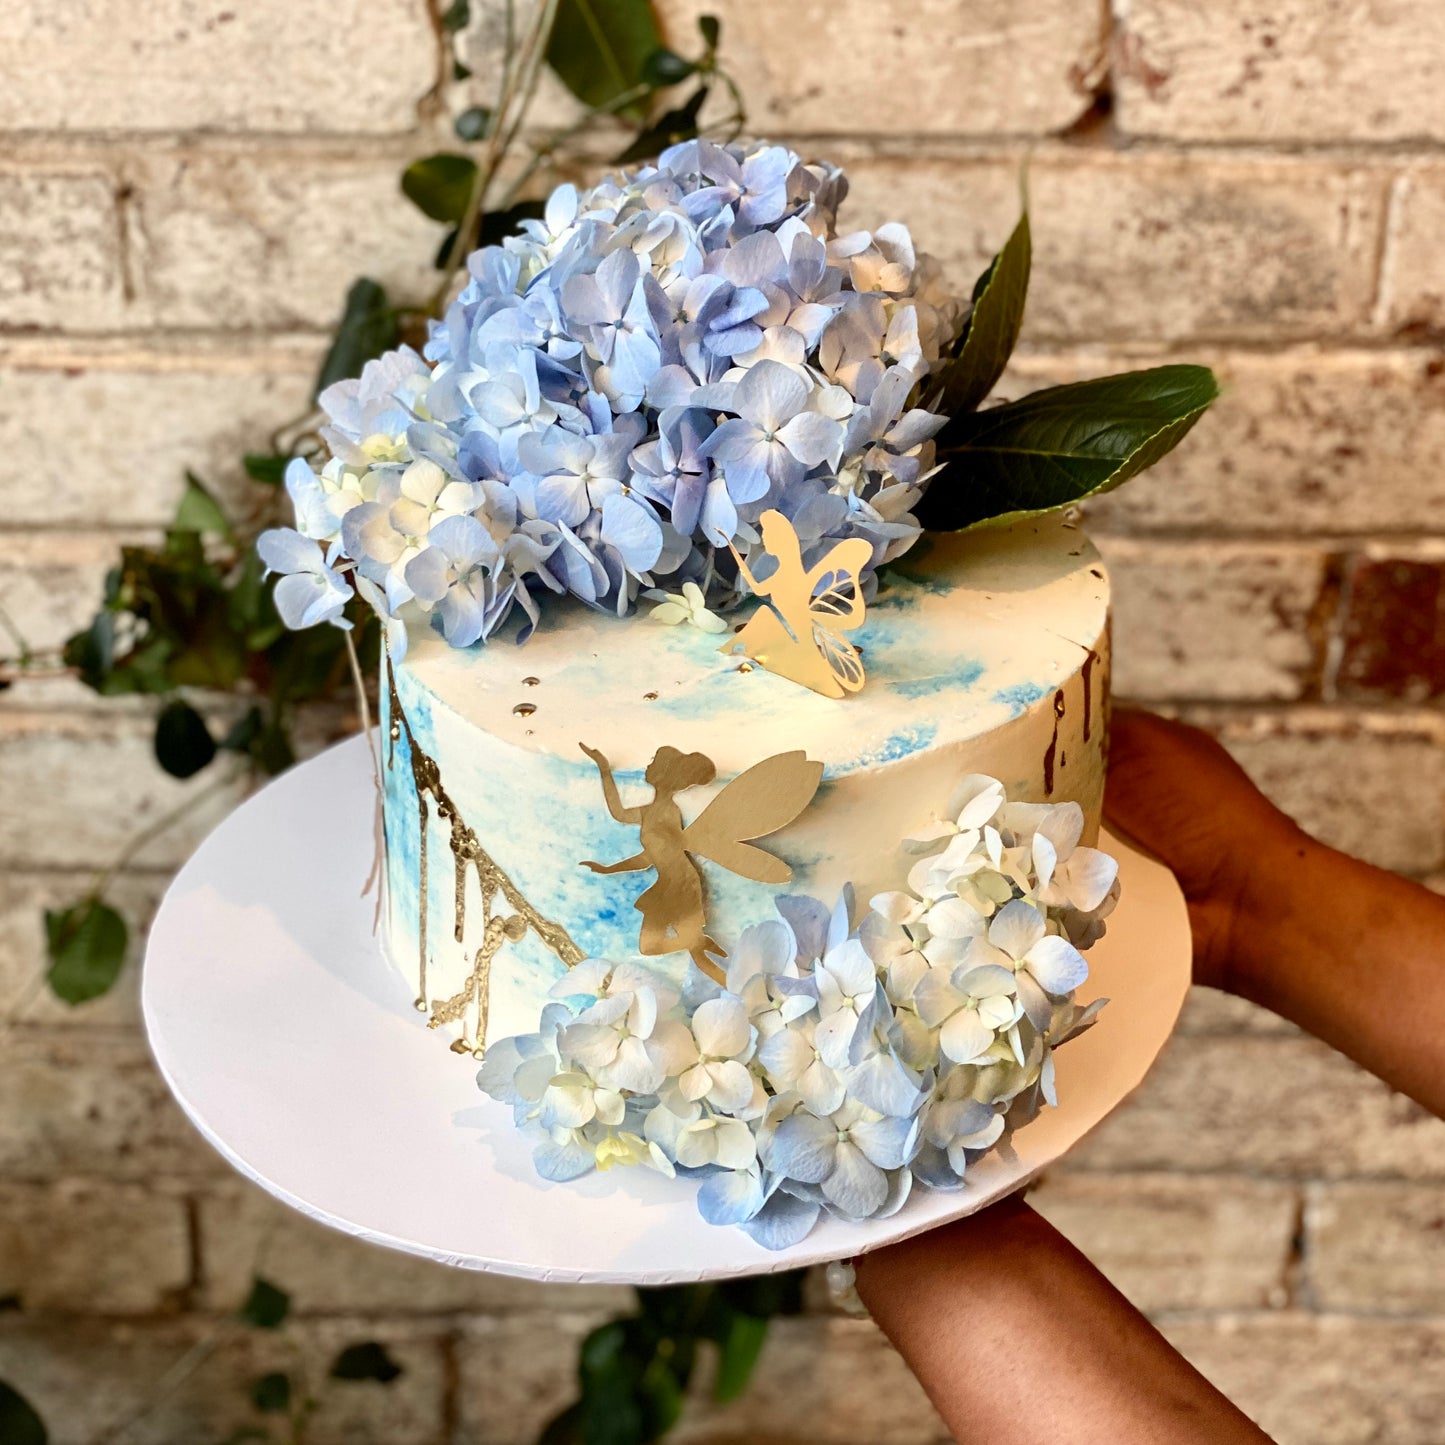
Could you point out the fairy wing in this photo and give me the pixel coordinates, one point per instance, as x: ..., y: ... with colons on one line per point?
x: 841, y: 656
x: 768, y: 796
x: 834, y: 591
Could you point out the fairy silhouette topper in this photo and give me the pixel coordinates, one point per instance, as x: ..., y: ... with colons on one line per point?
x: 759, y: 801
x: 798, y: 632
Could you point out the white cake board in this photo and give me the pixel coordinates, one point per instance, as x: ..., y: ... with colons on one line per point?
x: 296, y: 1051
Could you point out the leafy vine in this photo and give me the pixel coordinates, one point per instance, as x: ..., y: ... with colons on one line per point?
x: 190, y: 622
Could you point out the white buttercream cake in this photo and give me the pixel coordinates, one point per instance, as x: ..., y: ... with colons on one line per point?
x: 987, y: 653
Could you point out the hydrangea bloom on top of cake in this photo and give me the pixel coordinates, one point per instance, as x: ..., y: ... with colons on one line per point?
x: 621, y: 391
x: 839, y: 1064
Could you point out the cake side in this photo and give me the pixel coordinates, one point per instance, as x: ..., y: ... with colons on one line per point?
x: 992, y: 660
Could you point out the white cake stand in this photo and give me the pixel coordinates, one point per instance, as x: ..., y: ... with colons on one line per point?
x: 295, y: 1050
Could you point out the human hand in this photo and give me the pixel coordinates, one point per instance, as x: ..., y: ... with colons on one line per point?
x: 1176, y: 792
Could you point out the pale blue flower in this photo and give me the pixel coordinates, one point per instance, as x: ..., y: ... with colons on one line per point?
x: 847, y: 1155
x: 309, y: 591
x: 457, y: 574
x: 774, y: 438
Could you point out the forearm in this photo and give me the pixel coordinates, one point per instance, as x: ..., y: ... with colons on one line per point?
x: 1354, y: 955
x: 1019, y: 1340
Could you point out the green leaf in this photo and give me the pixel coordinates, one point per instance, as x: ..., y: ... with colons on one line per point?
x: 1061, y: 445
x: 499, y: 224
x: 86, y: 946
x: 741, y: 1347
x: 19, y: 1422
x: 92, y: 652
x: 473, y: 123
x: 457, y: 16
x: 666, y: 67
x: 183, y: 743
x: 600, y: 48
x: 199, y: 511
x: 368, y: 327
x: 272, y: 1393
x: 440, y: 186
x: 266, y: 1306
x: 669, y: 128
x: 268, y: 468
x: 368, y: 1361
x: 765, y: 1295
x: 993, y: 327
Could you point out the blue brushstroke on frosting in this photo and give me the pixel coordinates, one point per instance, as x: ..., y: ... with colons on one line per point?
x: 964, y: 676
x: 901, y: 744
x: 1022, y: 695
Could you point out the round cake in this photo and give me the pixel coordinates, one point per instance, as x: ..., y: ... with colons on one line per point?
x: 987, y: 653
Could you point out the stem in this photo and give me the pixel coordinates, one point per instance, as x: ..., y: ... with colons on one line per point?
x: 166, y: 821
x: 519, y: 88
x: 8, y: 623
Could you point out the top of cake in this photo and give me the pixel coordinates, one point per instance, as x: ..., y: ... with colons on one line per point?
x: 967, y: 635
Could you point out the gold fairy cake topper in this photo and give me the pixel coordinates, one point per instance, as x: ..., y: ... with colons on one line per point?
x: 766, y: 797
x: 798, y: 632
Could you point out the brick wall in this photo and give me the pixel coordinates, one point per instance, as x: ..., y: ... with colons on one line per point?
x: 185, y: 188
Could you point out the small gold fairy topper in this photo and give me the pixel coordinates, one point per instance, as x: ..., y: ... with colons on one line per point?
x: 798, y: 632
x: 766, y: 797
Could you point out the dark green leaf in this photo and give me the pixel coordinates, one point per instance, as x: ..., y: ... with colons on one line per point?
x: 1061, y: 445
x: 666, y: 67
x: 599, y: 49
x: 92, y: 652
x: 564, y: 1428
x: 86, y: 945
x: 473, y: 123
x: 496, y: 225
x: 19, y: 1423
x: 457, y: 16
x: 272, y: 749
x: 271, y: 1393
x: 266, y: 1306
x: 444, y: 256
x: 460, y: 71
x: 710, y: 28
x: 199, y: 511
x: 993, y: 327
x: 368, y: 1361
x: 368, y: 327
x: 440, y: 186
x: 765, y: 1295
x: 242, y: 734
x: 266, y: 467
x: 741, y: 1347
x: 183, y: 743
x: 669, y: 128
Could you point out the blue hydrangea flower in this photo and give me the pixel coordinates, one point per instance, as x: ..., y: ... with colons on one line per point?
x: 635, y: 378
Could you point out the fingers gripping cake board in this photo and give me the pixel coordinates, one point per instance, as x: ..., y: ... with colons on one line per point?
x: 498, y: 737
x: 744, y: 684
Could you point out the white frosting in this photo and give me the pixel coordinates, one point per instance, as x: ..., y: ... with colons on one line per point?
x: 986, y: 653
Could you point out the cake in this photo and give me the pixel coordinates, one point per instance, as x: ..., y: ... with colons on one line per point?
x: 743, y: 684
x: 988, y: 654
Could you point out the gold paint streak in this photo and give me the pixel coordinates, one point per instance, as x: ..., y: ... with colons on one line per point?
x: 491, y: 879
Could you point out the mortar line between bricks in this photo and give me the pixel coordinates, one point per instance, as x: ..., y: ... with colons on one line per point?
x: 355, y: 146
x: 168, y: 343
x: 1304, y: 540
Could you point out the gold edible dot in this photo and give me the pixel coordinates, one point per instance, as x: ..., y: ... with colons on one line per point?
x: 461, y: 1046
x: 530, y: 681
x: 649, y: 697
x: 525, y: 709
x: 420, y: 1005
x: 745, y: 667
